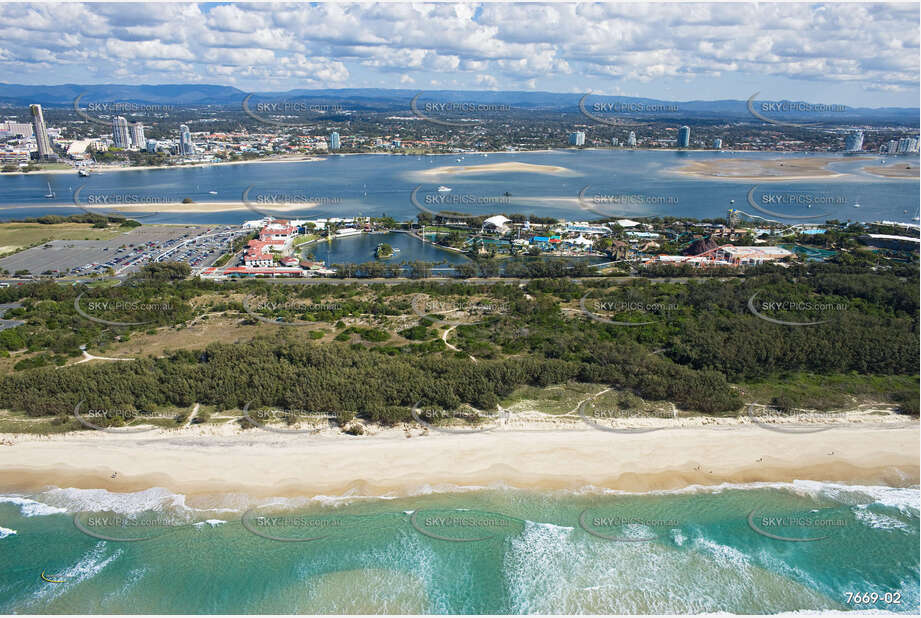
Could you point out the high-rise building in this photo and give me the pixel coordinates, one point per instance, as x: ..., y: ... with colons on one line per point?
x: 684, y: 136
x: 717, y: 143
x: 137, y: 136
x: 631, y: 140
x: 615, y: 141
x: 577, y: 138
x: 892, y: 146
x: 903, y: 145
x: 152, y: 145
x: 186, y: 147
x: 45, y: 151
x: 913, y: 145
x: 854, y: 141
x: 120, y: 132
x: 334, y: 143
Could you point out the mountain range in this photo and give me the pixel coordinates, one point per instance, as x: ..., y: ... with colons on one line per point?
x: 383, y: 99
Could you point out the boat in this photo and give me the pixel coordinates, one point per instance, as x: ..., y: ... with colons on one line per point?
x: 50, y: 195
x: 83, y: 173
x: 443, y: 189
x: 349, y: 231
x: 213, y: 192
x: 856, y: 205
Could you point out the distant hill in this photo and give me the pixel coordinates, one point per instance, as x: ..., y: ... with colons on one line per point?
x: 398, y: 100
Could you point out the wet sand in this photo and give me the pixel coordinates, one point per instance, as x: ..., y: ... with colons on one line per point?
x: 765, y: 170
x: 507, y: 167
x: 896, y: 170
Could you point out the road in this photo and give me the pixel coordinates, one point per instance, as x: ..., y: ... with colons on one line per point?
x: 388, y: 281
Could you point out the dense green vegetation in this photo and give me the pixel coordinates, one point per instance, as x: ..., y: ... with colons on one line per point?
x: 697, y: 343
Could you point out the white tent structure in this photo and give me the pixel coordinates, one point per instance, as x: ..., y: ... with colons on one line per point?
x: 496, y: 223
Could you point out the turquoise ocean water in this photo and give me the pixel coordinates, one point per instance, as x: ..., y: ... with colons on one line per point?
x: 740, y: 549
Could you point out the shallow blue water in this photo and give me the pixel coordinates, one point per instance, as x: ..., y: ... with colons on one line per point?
x: 475, y: 551
x: 611, y: 183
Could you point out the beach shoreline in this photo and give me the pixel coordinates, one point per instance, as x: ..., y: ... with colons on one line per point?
x: 216, y: 459
x: 106, y: 169
x: 898, y: 170
x: 764, y: 170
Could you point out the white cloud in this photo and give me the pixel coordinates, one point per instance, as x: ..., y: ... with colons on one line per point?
x: 571, y: 47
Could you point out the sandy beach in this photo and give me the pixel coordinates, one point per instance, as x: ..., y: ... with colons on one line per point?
x: 528, y: 454
x: 764, y: 170
x: 899, y: 169
x: 497, y: 168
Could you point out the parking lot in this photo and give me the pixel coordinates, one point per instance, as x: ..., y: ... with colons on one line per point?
x: 197, y: 245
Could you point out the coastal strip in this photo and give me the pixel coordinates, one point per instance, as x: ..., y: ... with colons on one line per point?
x: 225, y: 459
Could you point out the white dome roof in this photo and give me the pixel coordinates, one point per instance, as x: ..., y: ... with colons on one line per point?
x: 497, y: 221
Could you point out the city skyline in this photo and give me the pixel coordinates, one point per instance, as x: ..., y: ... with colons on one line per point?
x: 858, y: 55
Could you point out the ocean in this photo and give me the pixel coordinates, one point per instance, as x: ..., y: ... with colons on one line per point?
x: 600, y: 183
x: 758, y: 548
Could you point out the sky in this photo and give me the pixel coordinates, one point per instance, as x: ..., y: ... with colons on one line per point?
x: 854, y: 54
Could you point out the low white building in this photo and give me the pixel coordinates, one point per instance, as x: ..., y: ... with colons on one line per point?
x: 749, y: 256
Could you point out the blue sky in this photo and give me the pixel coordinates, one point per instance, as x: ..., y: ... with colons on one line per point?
x: 856, y: 54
